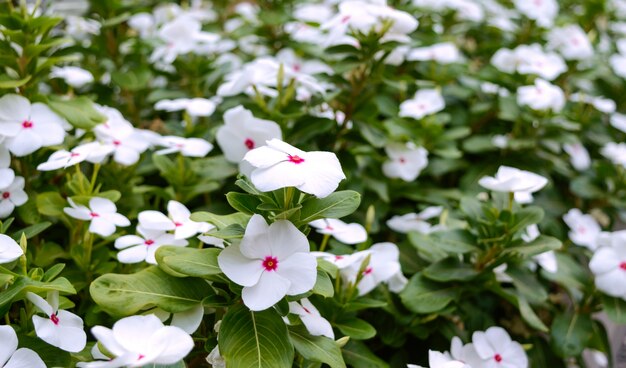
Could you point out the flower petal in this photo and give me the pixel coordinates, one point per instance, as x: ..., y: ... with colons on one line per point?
x: 25, y: 358
x: 189, y: 320
x: 270, y: 289
x: 240, y: 269
x: 9, y: 343
x: 285, y: 239
x: 9, y: 249
x: 301, y: 270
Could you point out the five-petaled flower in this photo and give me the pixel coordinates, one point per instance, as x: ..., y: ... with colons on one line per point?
x: 270, y: 262
x: 101, y: 212
x: 11, y: 356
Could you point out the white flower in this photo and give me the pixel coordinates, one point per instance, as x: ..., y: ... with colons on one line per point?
x: 179, y: 220
x: 215, y: 359
x: 9, y: 249
x: 579, y: 156
x: 425, y: 102
x: 494, y: 348
x: 439, y: 360
x: 29, y: 127
x: 243, y: 132
x: 101, y: 212
x: 141, y: 340
x: 7, y: 176
x: 546, y: 260
x: 11, y: 356
x: 294, y: 64
x: 406, y: 161
x: 62, y: 329
x: 92, y: 151
x: 510, y: 179
x: 120, y: 137
x: 311, y: 318
x: 194, y: 106
x: 12, y: 196
x: 416, y: 221
x: 346, y: 233
x: 608, y: 264
x: 81, y: 28
x: 73, y: 75
x: 383, y: 266
x: 543, y: 11
x: 142, y: 248
x: 188, y: 320
x: 270, y: 262
x: 618, y: 121
x: 529, y: 59
x: 601, y: 104
x: 143, y: 23
x: 541, y: 96
x: 571, y: 41
x: 616, y: 152
x: 279, y: 165
x: 190, y: 147
x: 618, y: 63
x: 180, y: 36
x: 339, y: 260
x: 584, y: 229
x: 442, y: 53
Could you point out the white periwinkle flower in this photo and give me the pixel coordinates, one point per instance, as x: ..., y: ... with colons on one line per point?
x: 616, y: 152
x: 279, y: 165
x: 136, y: 248
x: 72, y: 75
x: 579, y: 156
x: 608, y: 263
x: 101, y: 212
x: 270, y: 262
x: 509, y: 179
x: 494, y: 348
x: 311, y: 318
x: 383, y: 267
x: 442, y: 53
x: 9, y: 249
x: 193, y: 106
x: 584, y: 229
x: 416, y: 221
x: 405, y: 161
x: 542, y: 11
x: 136, y: 341
x: 243, y: 132
x: 61, y: 328
x: 425, y: 102
x: 179, y: 220
x: 541, y: 96
x: 11, y: 356
x: 346, y: 233
x: 190, y: 147
x: 571, y: 41
x: 12, y: 196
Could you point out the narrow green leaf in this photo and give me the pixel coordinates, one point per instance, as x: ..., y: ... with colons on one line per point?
x: 245, y: 203
x: 78, y: 111
x: 450, y: 269
x: 357, y: 354
x: 336, y: 205
x: 356, y: 328
x: 525, y: 217
x: 316, y: 348
x: 424, y: 296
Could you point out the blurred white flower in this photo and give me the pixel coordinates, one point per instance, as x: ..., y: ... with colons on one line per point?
x: 102, y: 213
x: 425, y: 102
x: 311, y: 318
x: 72, y: 75
x: 529, y: 59
x: 616, y: 152
x: 608, y: 263
x: 442, y: 53
x: 416, y: 221
x: 179, y: 220
x: 383, y: 267
x: 618, y: 121
x: 602, y: 104
x: 190, y: 147
x: 509, y: 179
x: 579, y: 156
x: 495, y: 348
x: 571, y: 41
x: 405, y: 161
x: 584, y: 229
x: 542, y: 11
x: 12, y: 196
x: 346, y: 233
x: 193, y: 106
x: 541, y: 96
x: 92, y: 152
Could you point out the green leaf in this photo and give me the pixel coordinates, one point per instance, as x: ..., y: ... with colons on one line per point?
x: 525, y: 217
x: 529, y: 315
x: 336, y: 205
x: 214, y: 168
x: 438, y: 245
x: 323, y: 285
x: 255, y: 339
x: 571, y: 332
x: 51, y: 204
x: 125, y: 295
x: 78, y: 111
x: 615, y: 308
x: 540, y: 245
x: 132, y: 80
x: 181, y: 261
x: 246, y: 203
x: 356, y: 328
x: 32, y: 230
x: 221, y: 221
x: 357, y: 354
x: 22, y: 285
x: 584, y: 187
x: 316, y: 348
x: 7, y: 83
x: 363, y: 303
x: 424, y: 296
x: 450, y: 269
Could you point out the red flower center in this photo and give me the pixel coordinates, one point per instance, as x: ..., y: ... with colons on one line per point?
x: 74, y: 154
x: 402, y: 160
x: 623, y: 266
x: 497, y: 358
x: 6, y: 195
x: 306, y: 310
x: 116, y: 142
x: 27, y: 124
x: 93, y: 214
x: 337, y: 258
x: 367, y: 271
x: 270, y: 263
x: 178, y: 224
x: 149, y: 242
x: 141, y: 356
x: 249, y: 143
x: 54, y: 319
x: 329, y: 228
x: 295, y: 159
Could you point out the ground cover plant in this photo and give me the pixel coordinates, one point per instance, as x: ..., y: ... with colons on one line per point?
x: 312, y: 183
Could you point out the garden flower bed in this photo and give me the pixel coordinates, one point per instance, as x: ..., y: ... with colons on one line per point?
x: 360, y: 183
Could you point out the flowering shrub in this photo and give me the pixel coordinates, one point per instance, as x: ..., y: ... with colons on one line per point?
x: 311, y: 183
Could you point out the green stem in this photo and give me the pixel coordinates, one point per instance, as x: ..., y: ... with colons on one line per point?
x: 94, y: 176
x: 511, y: 200
x: 324, y: 242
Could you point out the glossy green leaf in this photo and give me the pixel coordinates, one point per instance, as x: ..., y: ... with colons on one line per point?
x: 571, y: 332
x: 336, y: 205
x: 51, y: 204
x: 221, y: 221
x: 356, y: 328
x: 450, y: 269
x: 182, y: 261
x: 424, y: 296
x: 245, y: 203
x: 323, y: 285
x: 22, y: 285
x: 316, y: 348
x: 78, y: 111
x: 357, y: 354
x: 615, y: 308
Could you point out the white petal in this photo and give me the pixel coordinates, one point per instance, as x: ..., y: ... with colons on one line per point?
x: 134, y: 254
x: 270, y: 289
x: 9, y: 343
x: 25, y: 358
x: 155, y: 220
x: 177, y: 344
x: 6, y: 177
x: 264, y: 157
x: 40, y: 303
x: 301, y: 270
x: 47, y: 331
x: 134, y: 333
x: 101, y: 227
x: 127, y: 241
x: 6, y: 208
x: 255, y: 242
x: 189, y: 320
x: 24, y: 143
x: 13, y: 108
x: 101, y: 205
x: 283, y: 174
x: 482, y: 345
x: 285, y: 239
x: 178, y: 211
x: 604, y: 260
x: 107, y: 339
x: 240, y: 269
x: 71, y: 339
x: 9, y: 249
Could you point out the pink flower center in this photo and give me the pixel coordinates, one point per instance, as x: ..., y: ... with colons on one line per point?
x: 249, y: 143
x: 497, y: 358
x: 297, y: 67
x: 329, y: 228
x: 306, y: 310
x: 623, y: 266
x: 178, y: 224
x: 270, y: 263
x: 74, y: 154
x: 582, y: 229
x: 116, y: 142
x: 149, y: 242
x: 367, y: 271
x: 54, y: 319
x: 345, y: 19
x: 27, y: 124
x: 402, y: 160
x: 6, y: 195
x: 141, y: 356
x: 295, y: 159
x: 338, y: 258
x: 93, y: 214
